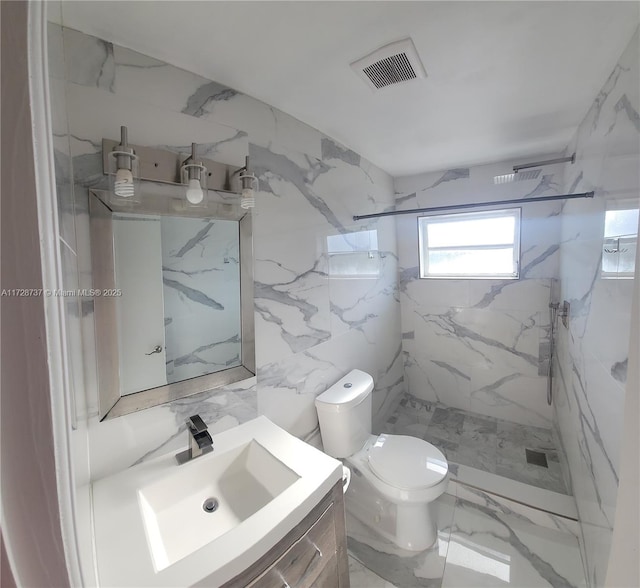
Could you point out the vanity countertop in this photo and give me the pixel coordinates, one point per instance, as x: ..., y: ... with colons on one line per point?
x: 123, y: 552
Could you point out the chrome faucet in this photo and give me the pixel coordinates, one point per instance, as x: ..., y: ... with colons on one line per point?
x: 200, y: 442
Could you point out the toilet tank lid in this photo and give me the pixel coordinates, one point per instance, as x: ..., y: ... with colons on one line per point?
x: 348, y: 391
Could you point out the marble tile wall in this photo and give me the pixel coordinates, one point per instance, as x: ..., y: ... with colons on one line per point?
x: 481, y: 345
x: 319, y: 313
x: 592, y: 354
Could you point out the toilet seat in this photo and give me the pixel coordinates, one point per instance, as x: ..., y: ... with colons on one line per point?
x: 407, y: 462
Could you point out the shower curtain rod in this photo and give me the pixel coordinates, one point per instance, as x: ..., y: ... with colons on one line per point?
x: 475, y: 205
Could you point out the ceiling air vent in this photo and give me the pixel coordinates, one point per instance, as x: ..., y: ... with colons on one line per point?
x: 392, y: 64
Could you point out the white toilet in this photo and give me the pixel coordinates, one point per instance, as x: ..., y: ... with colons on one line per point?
x: 395, y: 478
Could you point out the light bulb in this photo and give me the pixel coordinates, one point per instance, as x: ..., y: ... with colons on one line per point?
x: 247, y: 200
x: 195, y: 195
x: 123, y: 185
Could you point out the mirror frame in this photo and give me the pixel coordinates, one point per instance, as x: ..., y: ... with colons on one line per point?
x: 162, y: 201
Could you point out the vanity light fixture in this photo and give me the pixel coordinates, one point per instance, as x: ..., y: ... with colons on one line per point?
x: 124, y: 179
x: 249, y: 185
x: 198, y: 177
x: 194, y: 177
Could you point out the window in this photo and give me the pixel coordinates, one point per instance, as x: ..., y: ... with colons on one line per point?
x: 354, y: 255
x: 620, y: 237
x: 470, y: 244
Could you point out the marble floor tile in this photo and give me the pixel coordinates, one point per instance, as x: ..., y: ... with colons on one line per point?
x: 425, y: 414
x: 417, y: 409
x: 549, y: 478
x: 552, y: 456
x: 479, y: 432
x: 362, y: 577
x: 487, y: 548
x: 418, y: 430
x: 402, y: 419
x: 477, y: 546
x: 480, y: 457
x: 447, y: 424
x: 411, y: 417
x: 401, y: 568
x: 510, y: 452
x: 388, y: 428
x: 514, y: 435
x: 449, y: 448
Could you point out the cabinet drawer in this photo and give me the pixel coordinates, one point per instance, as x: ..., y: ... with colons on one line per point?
x: 328, y: 577
x: 301, y: 565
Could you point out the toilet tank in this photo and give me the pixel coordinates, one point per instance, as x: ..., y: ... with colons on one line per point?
x: 344, y: 413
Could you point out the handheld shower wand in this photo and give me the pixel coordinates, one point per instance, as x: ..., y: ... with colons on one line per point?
x: 553, y: 314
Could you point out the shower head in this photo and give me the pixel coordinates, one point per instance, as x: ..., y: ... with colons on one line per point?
x: 517, y: 176
x: 530, y: 174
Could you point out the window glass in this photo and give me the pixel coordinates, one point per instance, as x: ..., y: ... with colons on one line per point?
x: 481, y: 231
x: 620, y: 238
x: 354, y: 255
x: 470, y: 244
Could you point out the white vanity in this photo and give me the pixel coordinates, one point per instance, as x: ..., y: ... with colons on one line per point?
x: 263, y: 509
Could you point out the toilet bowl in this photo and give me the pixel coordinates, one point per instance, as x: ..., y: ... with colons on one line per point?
x: 395, y: 478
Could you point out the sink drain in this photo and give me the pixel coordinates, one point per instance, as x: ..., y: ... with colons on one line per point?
x: 210, y: 505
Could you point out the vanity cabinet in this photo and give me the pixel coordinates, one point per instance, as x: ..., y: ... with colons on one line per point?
x: 313, y: 554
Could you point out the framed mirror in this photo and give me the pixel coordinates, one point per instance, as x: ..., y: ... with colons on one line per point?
x: 173, y: 297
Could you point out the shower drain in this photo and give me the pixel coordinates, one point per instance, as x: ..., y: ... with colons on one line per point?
x: 536, y: 458
x: 210, y: 505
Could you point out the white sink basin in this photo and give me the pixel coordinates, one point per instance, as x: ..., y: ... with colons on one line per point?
x: 151, y: 528
x: 207, y: 497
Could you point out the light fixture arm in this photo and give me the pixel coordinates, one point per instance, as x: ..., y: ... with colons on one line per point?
x: 123, y: 169
x: 193, y: 165
x: 248, y: 185
x: 242, y: 170
x: 194, y: 177
x: 123, y: 153
x: 247, y: 178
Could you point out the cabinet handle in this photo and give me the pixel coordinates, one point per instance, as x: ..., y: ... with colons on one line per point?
x: 156, y: 349
x: 318, y: 552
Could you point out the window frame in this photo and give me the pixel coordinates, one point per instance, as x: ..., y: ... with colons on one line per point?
x: 423, y: 249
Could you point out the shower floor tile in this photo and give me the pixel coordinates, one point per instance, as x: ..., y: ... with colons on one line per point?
x: 549, y: 478
x: 478, y: 457
x: 449, y: 448
x: 447, y: 424
x: 481, y: 442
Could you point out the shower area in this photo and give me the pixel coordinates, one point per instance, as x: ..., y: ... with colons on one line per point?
x: 493, y: 370
x: 519, y: 377
x: 479, y: 293
x: 526, y: 453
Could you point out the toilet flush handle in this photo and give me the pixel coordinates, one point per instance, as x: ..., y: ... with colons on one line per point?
x: 346, y: 478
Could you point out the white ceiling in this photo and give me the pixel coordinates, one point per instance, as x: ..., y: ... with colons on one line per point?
x: 506, y: 80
